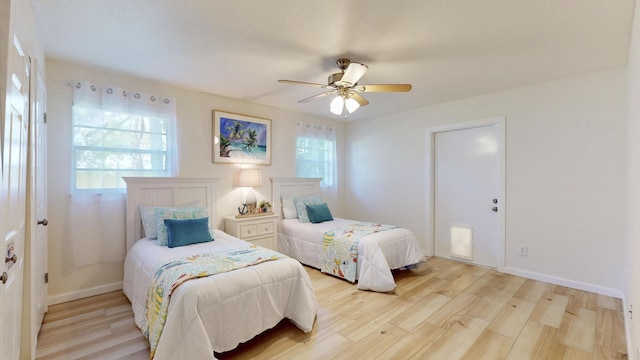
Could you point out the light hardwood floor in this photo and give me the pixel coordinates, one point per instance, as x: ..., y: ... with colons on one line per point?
x: 441, y: 310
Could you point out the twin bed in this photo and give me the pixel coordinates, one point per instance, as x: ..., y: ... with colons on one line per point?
x: 377, y: 254
x: 213, y: 314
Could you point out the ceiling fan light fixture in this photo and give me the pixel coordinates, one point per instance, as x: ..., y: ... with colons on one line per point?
x: 351, y: 105
x: 337, y: 104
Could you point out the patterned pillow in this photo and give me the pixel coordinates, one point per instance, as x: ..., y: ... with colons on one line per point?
x: 301, y: 206
x: 175, y: 214
x: 149, y: 220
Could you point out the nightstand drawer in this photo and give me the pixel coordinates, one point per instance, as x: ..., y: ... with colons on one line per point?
x: 265, y: 227
x: 259, y: 230
x: 253, y: 229
x: 248, y: 230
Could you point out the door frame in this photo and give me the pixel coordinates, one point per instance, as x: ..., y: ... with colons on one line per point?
x: 500, y: 122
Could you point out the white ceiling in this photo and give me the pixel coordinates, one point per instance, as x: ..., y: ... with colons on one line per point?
x: 448, y: 49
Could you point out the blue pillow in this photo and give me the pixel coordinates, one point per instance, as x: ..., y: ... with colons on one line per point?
x: 301, y: 209
x: 319, y: 213
x: 187, y: 232
x: 175, y: 214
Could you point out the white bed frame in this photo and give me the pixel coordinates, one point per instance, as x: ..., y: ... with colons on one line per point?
x: 165, y: 191
x: 295, y: 187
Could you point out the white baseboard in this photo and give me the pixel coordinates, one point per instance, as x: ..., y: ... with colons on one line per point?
x: 80, y: 294
x: 565, y: 282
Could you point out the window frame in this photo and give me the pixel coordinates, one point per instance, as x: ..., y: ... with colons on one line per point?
x: 165, y: 129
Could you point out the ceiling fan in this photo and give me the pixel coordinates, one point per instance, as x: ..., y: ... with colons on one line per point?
x: 345, y: 85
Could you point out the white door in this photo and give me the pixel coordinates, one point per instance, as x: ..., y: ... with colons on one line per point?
x: 467, y: 194
x: 13, y: 198
x: 35, y: 287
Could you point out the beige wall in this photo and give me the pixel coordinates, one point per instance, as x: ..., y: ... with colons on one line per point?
x: 632, y: 275
x: 194, y: 147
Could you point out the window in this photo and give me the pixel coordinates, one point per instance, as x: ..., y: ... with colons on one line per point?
x: 316, y: 153
x: 110, y: 142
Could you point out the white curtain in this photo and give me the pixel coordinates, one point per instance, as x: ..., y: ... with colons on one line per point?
x: 316, y: 153
x: 95, y: 219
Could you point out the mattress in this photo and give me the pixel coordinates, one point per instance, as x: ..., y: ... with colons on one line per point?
x: 378, y: 253
x: 216, y: 313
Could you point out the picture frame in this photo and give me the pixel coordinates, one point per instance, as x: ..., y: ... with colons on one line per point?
x: 241, y: 139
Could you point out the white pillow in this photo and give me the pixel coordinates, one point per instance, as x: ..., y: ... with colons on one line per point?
x: 148, y: 215
x: 288, y: 207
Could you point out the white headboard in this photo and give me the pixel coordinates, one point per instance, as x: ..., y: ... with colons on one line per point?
x: 292, y: 187
x: 165, y: 191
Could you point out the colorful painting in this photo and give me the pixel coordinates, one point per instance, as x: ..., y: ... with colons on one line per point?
x: 241, y: 139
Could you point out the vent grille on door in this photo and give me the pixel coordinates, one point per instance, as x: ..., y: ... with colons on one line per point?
x: 462, y: 242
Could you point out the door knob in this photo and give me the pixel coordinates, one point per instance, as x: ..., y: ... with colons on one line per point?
x: 4, y: 277
x: 43, y: 222
x: 495, y: 201
x: 494, y: 209
x: 13, y: 258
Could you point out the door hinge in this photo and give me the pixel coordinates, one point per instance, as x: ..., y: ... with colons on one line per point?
x: 45, y: 118
x: 46, y: 278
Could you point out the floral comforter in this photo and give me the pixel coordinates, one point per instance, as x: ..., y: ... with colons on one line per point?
x: 171, y: 275
x: 340, y: 248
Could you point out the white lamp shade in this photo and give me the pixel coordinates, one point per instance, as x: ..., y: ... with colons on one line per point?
x: 337, y: 104
x: 248, y: 178
x: 351, y: 105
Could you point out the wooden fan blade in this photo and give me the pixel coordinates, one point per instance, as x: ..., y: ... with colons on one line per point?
x: 317, y: 96
x: 357, y: 97
x: 383, y: 88
x: 353, y: 73
x: 293, y: 82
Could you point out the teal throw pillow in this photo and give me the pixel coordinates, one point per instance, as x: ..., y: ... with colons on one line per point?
x: 175, y: 214
x: 187, y: 232
x: 319, y: 213
x: 301, y: 206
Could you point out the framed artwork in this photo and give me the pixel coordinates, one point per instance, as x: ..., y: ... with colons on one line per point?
x: 241, y: 139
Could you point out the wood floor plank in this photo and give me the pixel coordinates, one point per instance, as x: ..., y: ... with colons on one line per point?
x: 328, y: 348
x: 443, y: 309
x: 610, y: 336
x: 414, y: 345
x: 535, y: 342
x: 490, y: 345
x: 451, y: 312
x: 512, y: 318
x: 420, y: 311
x: 374, y: 343
x: 550, y: 310
x: 457, y: 340
x: 578, y: 330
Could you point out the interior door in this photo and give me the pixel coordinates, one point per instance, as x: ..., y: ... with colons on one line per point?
x: 466, y: 194
x: 35, y: 287
x: 13, y: 198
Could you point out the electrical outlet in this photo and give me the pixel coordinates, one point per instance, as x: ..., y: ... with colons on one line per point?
x: 524, y: 251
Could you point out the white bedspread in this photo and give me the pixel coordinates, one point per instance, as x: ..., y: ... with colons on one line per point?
x: 216, y: 313
x: 378, y: 253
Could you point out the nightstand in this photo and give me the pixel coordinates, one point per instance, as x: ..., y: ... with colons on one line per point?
x: 258, y: 230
